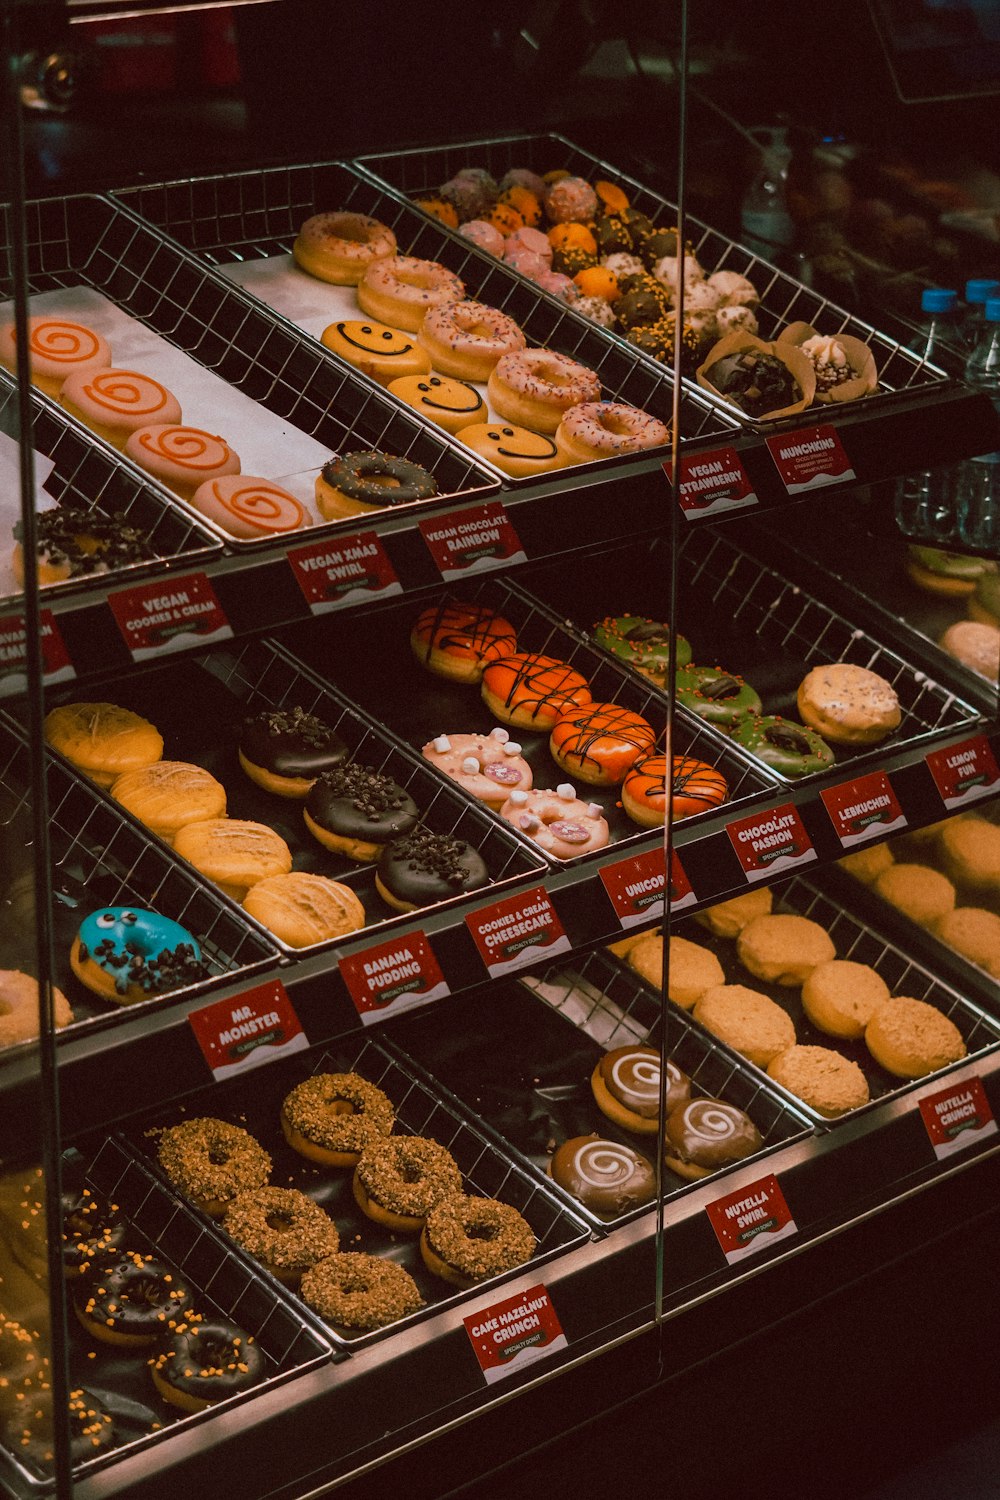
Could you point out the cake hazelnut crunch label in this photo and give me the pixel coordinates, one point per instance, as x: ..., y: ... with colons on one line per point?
x: 712, y: 482
x: 965, y: 772
x: 810, y: 458
x: 957, y: 1117
x: 472, y: 541
x: 348, y: 571
x: 169, y: 614
x: 753, y: 1218
x: 248, y: 1030
x: 506, y: 1336
x: 866, y: 808
x: 519, y: 931
x: 56, y: 665
x: 393, y: 977
x: 770, y: 841
x: 635, y: 887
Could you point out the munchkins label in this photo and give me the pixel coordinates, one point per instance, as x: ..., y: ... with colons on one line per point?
x: 965, y: 772
x: 957, y: 1117
x: 712, y: 482
x: 864, y: 809
x: 393, y: 977
x: 635, y: 887
x: 351, y: 570
x: 248, y: 1030
x: 753, y: 1218
x: 171, y: 614
x: 519, y: 931
x: 770, y: 841
x: 507, y: 1336
x: 56, y: 665
x: 472, y: 541
x: 810, y: 458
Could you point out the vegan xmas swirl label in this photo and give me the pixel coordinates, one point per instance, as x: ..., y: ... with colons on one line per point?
x: 171, y: 614
x: 866, y: 808
x: 332, y: 575
x: 472, y: 541
x: 394, y: 976
x: 516, y: 932
x: 753, y: 1218
x: 770, y: 841
x: 506, y: 1336
x: 965, y: 772
x: 635, y: 887
x: 56, y: 665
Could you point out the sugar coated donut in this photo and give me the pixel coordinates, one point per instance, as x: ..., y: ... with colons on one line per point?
x: 536, y: 387
x: 608, y: 1178
x: 116, y: 403
x: 705, y: 1135
x: 426, y: 867
x: 457, y: 640
x: 975, y: 645
x: 400, y: 1178
x: 606, y: 429
x: 600, y: 742
x: 451, y: 404
x: 468, y: 338
x: 910, y: 1038
x: 570, y: 200
x: 168, y: 795
x: 717, y: 696
x: 212, y: 1162
x: 355, y: 483
x: 182, y: 458
x: 283, y: 1228
x: 19, y: 1007
x: 339, y: 247
x: 331, y: 1117
x: 204, y: 1361
x: 233, y: 852
x: 247, y: 507
x: 132, y: 1302
x: 848, y: 705
x: 823, y: 1079
x: 697, y: 788
x: 789, y: 748
x: 102, y: 740
x: 284, y: 750
x: 466, y: 1239
x: 922, y: 894
x: 626, y: 1087
x: 529, y: 691
x: 73, y: 542
x: 378, y: 351
x: 400, y: 290
x: 747, y: 1021
x: 301, y: 908
x: 355, y: 810
x: 488, y: 767
x: 57, y: 347
x: 557, y: 821
x: 124, y: 953
x: 359, y: 1291
x: 692, y: 969
x: 514, y: 450
x: 728, y: 918
x: 783, y: 948
x: 641, y: 643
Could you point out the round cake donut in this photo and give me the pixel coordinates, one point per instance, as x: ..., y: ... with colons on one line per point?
x: 247, y: 507
x: 451, y: 404
x: 607, y: 429
x: 747, y: 1021
x: 355, y: 483
x: 600, y: 742
x: 19, y: 1008
x: 400, y: 290
x: 466, y: 1239
x: 124, y: 953
x: 339, y: 247
x: 697, y: 788
x: 378, y: 351
x: 789, y: 748
x: 359, y: 1291
x: 714, y: 695
x: 400, y: 1178
x: 513, y: 450
x: 608, y: 1178
x: 331, y: 1117
x: 212, y: 1162
x: 355, y: 811
x: 626, y: 1087
x: 557, y: 821
x: 116, y: 403
x: 426, y: 867
x: 456, y: 640
x: 283, y: 1228
x: 467, y: 338
x: 182, y: 458
x: 73, y: 542
x: 910, y: 1038
x: 488, y: 767
x: 822, y: 1078
x: 847, y: 704
x: 131, y: 1302
x: 529, y: 691
x: 704, y: 1135
x: 975, y: 645
x: 206, y: 1361
x: 642, y: 643
x: 784, y: 948
x: 102, y: 740
x: 284, y: 750
x: 168, y: 795
x: 840, y: 996
x: 536, y: 387
x: 301, y: 908
x: 57, y: 348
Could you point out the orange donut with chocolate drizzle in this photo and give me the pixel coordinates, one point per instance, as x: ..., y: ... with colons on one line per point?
x: 248, y: 507
x: 537, y: 386
x: 57, y: 347
x: 600, y: 742
x: 698, y: 787
x: 115, y: 403
x: 458, y: 640
x: 530, y: 691
x: 182, y: 458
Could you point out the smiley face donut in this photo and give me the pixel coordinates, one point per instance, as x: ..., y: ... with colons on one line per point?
x: 513, y: 450
x: 529, y: 691
x: 378, y: 351
x: 124, y: 953
x: 451, y: 404
x: 116, y: 403
x: 600, y: 742
x: 457, y: 641
x: 558, y: 821
x: 487, y: 766
x: 468, y: 338
x: 57, y: 347
x: 248, y: 507
x: 698, y: 787
x: 339, y: 247
x: 182, y: 458
x: 400, y: 290
x: 536, y: 387
x: 607, y: 429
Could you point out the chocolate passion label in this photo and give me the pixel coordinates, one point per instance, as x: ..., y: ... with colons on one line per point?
x: 394, y: 976
x: 56, y: 665
x: 472, y: 541
x: 522, y: 930
x: 350, y: 572
x: 771, y: 841
x: 508, y: 1335
x: 244, y: 1032
x: 171, y: 615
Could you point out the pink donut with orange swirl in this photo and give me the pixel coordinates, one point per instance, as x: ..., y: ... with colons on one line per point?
x: 535, y: 387
x: 467, y: 338
x: 57, y: 347
x: 248, y: 507
x: 116, y: 403
x: 182, y: 458
x: 605, y: 429
x: 400, y: 289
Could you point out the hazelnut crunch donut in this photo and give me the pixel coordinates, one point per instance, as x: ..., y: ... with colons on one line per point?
x: 331, y: 1117
x: 467, y: 1239
x: 536, y: 387
x: 283, y: 1228
x: 361, y: 1291
x: 339, y: 247
x: 399, y: 1180
x: 212, y: 1162
x: 400, y: 289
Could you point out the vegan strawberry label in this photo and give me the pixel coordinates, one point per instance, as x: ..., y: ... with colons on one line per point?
x: 810, y: 458
x: 169, y: 614
x: 867, y: 808
x: 472, y: 541
x: 521, y: 930
x: 56, y: 665
x: 635, y: 887
x: 508, y: 1335
x: 393, y: 977
x: 753, y: 1218
x: 957, y: 1117
x: 965, y: 772
x: 712, y: 482
x: 248, y: 1030
x: 771, y: 841
x: 348, y: 571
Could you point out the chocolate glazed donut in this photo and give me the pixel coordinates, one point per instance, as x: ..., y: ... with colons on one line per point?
x: 706, y: 1134
x: 133, y: 1301
x: 284, y: 750
x: 427, y: 867
x: 92, y: 1233
x: 207, y: 1362
x: 356, y: 811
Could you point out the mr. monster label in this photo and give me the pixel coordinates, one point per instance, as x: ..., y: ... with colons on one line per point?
x: 250, y: 1029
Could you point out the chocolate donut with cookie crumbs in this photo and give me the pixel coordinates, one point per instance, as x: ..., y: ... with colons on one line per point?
x: 284, y: 750
x: 355, y: 810
x: 426, y: 867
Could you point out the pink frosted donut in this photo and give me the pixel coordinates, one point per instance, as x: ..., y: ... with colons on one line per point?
x: 182, y: 458
x: 558, y: 821
x: 339, y: 247
x: 487, y: 766
x: 115, y: 403
x: 604, y: 429
x: 529, y: 239
x: 485, y: 236
x: 400, y: 289
x: 535, y: 387
x: 248, y: 507
x: 558, y: 285
x: 466, y: 339
x: 526, y: 262
x: 571, y: 201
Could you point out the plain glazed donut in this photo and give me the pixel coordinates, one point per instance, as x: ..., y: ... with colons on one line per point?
x: 361, y: 1291
x: 247, y: 507
x: 698, y: 787
x: 606, y: 429
x: 116, y: 403
x: 558, y: 821
x: 467, y: 338
x: 57, y: 347
x: 331, y: 1117
x: 488, y: 767
x: 355, y: 483
x: 206, y: 1361
x: 530, y: 691
x: 212, y: 1162
x: 456, y: 640
x: 467, y: 1239
x: 19, y: 1006
x: 600, y: 742
x: 283, y: 1228
x: 124, y: 953
x: 400, y: 289
x: 182, y: 458
x: 536, y: 387
x: 339, y: 247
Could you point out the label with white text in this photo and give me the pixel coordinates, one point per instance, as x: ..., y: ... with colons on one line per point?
x: 519, y: 931
x: 810, y: 458
x: 506, y: 1336
x: 635, y: 887
x: 56, y: 665
x: 394, y: 976
x: 965, y: 772
x: 752, y: 1218
x: 473, y: 540
x: 351, y: 570
x: 244, y: 1032
x: 171, y: 614
x: 957, y: 1117
x: 863, y: 809
x: 712, y: 482
x: 771, y: 841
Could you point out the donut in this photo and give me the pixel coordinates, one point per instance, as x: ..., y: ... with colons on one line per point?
x: 714, y: 695
x: 467, y: 339
x: 212, y: 1162
x: 607, y: 429
x: 72, y: 542
x: 746, y: 1020
x: 728, y: 918
x: 922, y: 894
x: 400, y: 289
x: 704, y: 1135
x: 247, y: 507
x: 626, y: 1087
x: 557, y: 821
x: 608, y: 1178
x: 535, y: 241
x: 692, y: 970
x: 973, y: 932
x: 93, y: 1233
x: 168, y: 795
x: 970, y: 848
x: 598, y: 284
x: 939, y: 572
x: 182, y: 458
x: 484, y: 234
x: 283, y: 1228
x: 572, y: 236
x: 867, y: 864
x: 360, y: 1291
x: 57, y: 348
x: 28, y: 1430
x: 284, y: 750
x: 473, y: 192
x: 523, y: 177
x: 132, y: 1301
x: 25, y: 1372
x: 382, y: 353
x: 840, y: 997
x: 424, y: 868
x: 514, y: 450
x: 570, y: 200
x: 331, y: 1118
x: 438, y: 208
x: 526, y: 204
x: 600, y: 742
x: 206, y: 1361
x: 399, y: 1179
x: 356, y: 483
x: 789, y: 748
x: 456, y: 640
x: 697, y: 788
x: 828, y: 1082
x: 124, y: 953
x: 102, y: 740
x: 975, y: 645
x: 848, y: 705
x: 984, y: 606
x: 597, y: 310
x: 451, y: 404
x: 233, y: 852
x: 116, y: 403
x: 486, y: 766
x: 20, y: 1006
x: 465, y: 1240
x: 529, y: 691
x: 783, y: 948
x: 339, y: 247
x: 301, y: 908
x: 355, y: 811
x: 535, y: 387
x: 642, y: 644
x: 910, y: 1038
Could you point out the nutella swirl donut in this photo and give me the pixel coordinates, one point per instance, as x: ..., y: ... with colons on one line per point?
x: 247, y: 507
x: 487, y: 766
x: 608, y: 1178
x: 626, y: 1085
x: 57, y: 347
x: 116, y: 403
x: 536, y: 387
x: 607, y: 429
x: 182, y: 458
x: 468, y: 338
x: 339, y: 247
x: 558, y: 821
x: 400, y: 289
x: 705, y: 1135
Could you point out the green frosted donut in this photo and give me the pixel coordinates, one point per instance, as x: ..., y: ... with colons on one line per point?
x: 643, y: 643
x: 788, y: 748
x: 715, y: 695
x: 985, y: 603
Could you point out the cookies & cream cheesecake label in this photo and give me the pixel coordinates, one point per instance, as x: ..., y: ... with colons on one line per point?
x: 770, y: 841
x: 810, y: 458
x: 472, y: 541
x: 516, y: 932
x: 635, y: 887
x: 965, y: 772
x: 169, y: 614
x: 506, y: 1336
x: 866, y: 808
x: 752, y: 1218
x: 348, y: 571
x: 957, y: 1117
x: 247, y: 1030
x: 712, y: 482
x: 394, y: 976
x: 56, y: 664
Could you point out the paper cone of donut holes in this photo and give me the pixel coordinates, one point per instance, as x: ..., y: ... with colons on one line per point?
x: 859, y: 357
x: 799, y: 364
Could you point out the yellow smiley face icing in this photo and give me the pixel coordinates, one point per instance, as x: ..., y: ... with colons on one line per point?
x: 381, y: 352
x: 517, y: 451
x: 452, y: 404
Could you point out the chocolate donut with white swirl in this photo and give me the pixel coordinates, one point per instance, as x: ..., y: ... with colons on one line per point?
x: 608, y: 1178
x: 705, y: 1135
x: 626, y: 1085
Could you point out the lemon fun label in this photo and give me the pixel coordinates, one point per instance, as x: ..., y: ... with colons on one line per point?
x: 810, y: 458
x: 56, y: 665
x: 957, y: 1117
x: 753, y: 1218
x: 472, y: 541
x: 771, y: 841
x: 965, y: 772
x: 864, y: 809
x: 712, y: 482
x: 507, y: 1336
x: 172, y: 614
x: 354, y: 570
x: 249, y: 1030
x: 635, y: 887
x: 393, y: 977
x: 522, y: 930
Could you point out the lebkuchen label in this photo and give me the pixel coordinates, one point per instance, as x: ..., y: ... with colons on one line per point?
x: 965, y: 772
x: 248, y: 1030
x: 712, y: 482
x: 351, y: 570
x: 56, y: 665
x: 393, y: 977
x: 957, y: 1117
x: 753, y: 1218
x: 635, y: 887
x: 770, y: 841
x: 810, y: 458
x: 866, y: 808
x: 521, y: 930
x: 169, y: 614
x: 507, y: 1336
x: 472, y: 541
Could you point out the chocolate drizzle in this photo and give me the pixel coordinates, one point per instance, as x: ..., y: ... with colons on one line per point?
x: 462, y: 630
x: 292, y: 743
x: 536, y: 685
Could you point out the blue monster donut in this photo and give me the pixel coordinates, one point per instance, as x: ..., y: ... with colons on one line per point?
x: 124, y: 953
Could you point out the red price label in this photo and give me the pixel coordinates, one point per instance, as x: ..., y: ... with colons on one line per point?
x: 753, y: 1218
x: 56, y: 665
x: 712, y: 482
x: 810, y: 458
x: 506, y: 1336
x: 957, y: 1117
x: 472, y: 541
x: 397, y: 976
x: 770, y: 841
x: 965, y: 772
x: 635, y: 887
x: 169, y: 615
x: 248, y: 1030
x: 866, y: 808
x: 522, y: 930
x: 350, y: 570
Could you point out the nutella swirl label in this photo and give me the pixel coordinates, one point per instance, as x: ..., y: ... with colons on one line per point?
x: 752, y: 1218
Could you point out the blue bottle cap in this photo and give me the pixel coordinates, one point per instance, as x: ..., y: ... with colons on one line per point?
x: 991, y: 312
x: 978, y: 291
x: 936, y: 300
